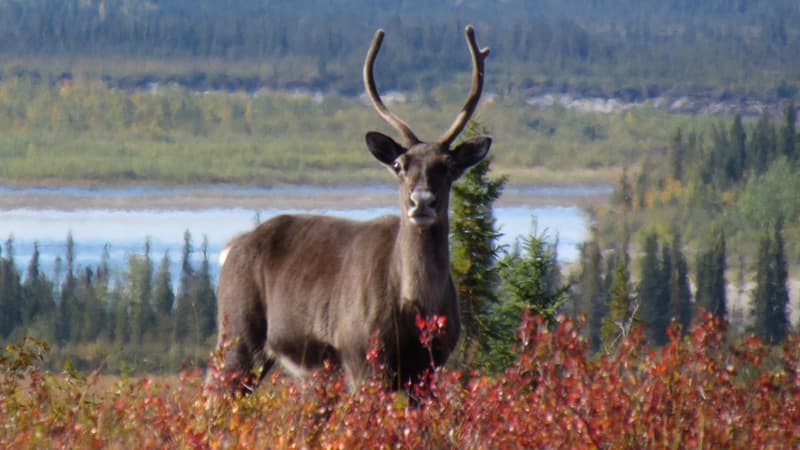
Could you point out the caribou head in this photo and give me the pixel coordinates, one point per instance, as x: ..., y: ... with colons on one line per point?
x: 304, y: 289
x: 426, y: 170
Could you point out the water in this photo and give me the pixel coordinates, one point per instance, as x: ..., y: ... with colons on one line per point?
x: 125, y: 231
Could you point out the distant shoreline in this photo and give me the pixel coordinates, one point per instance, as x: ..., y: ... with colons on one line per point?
x: 152, y: 197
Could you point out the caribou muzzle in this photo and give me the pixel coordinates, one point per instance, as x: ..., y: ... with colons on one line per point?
x: 422, y: 207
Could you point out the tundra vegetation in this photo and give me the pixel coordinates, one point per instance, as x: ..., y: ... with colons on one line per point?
x: 698, y: 390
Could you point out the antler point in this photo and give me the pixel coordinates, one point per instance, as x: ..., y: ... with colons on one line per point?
x: 469, y: 32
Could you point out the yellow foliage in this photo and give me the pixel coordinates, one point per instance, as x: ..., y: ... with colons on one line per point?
x: 649, y: 198
x: 66, y: 89
x: 729, y: 198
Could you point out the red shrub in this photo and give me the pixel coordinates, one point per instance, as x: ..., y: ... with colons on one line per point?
x: 702, y: 390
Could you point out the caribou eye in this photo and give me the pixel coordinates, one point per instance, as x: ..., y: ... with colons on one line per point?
x: 397, y: 167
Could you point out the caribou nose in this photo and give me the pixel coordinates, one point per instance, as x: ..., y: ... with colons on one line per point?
x: 422, y: 199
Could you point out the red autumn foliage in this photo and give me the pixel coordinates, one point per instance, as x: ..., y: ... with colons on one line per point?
x: 703, y: 390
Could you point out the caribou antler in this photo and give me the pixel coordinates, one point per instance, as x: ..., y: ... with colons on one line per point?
x: 369, y: 82
x: 477, y: 86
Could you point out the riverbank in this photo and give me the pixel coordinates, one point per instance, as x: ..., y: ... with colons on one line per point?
x: 71, y: 198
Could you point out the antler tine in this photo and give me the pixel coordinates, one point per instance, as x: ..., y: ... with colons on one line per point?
x: 369, y: 82
x: 475, y: 93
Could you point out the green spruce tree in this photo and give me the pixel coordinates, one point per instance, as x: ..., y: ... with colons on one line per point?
x: 737, y: 153
x: 653, y: 298
x: 164, y: 298
x: 37, y: 293
x: 530, y: 282
x: 184, y: 307
x: 762, y: 145
x: 93, y: 314
x: 711, y: 266
x: 677, y: 156
x: 680, y: 294
x: 591, y: 297
x: 205, y: 295
x: 11, y: 305
x: 474, y: 252
x: 622, y: 303
x: 770, y: 297
x: 787, y: 137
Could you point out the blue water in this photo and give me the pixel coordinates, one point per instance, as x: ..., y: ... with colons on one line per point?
x: 125, y: 231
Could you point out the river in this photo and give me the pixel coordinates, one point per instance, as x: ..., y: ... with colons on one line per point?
x: 124, y: 218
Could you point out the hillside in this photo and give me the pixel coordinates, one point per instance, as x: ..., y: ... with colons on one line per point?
x: 631, y: 49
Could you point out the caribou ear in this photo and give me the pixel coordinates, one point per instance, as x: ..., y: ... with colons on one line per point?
x: 384, y: 148
x: 469, y: 153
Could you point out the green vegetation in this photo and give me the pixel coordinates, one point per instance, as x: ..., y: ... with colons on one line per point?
x: 730, y: 189
x: 474, y: 253
x: 85, y: 132
x: 771, y: 296
x: 530, y: 285
x: 726, y: 182
x: 176, y: 92
x: 98, y: 319
x: 635, y: 48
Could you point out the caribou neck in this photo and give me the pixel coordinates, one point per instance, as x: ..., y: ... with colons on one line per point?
x: 423, y: 257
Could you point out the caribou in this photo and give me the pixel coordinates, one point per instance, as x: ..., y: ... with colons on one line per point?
x: 304, y: 290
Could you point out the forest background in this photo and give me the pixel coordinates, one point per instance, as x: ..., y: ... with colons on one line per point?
x: 686, y: 107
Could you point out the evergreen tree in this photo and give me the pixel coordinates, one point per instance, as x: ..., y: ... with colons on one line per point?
x: 652, y: 289
x: 37, y: 290
x: 37, y: 293
x: 737, y: 152
x: 163, y: 295
x: 474, y: 251
x: 762, y: 145
x: 119, y: 328
x: 206, y: 297
x: 771, y: 295
x: 103, y: 272
x: 677, y: 156
x: 164, y: 298
x: 184, y: 308
x: 93, y: 311
x: 591, y: 296
x: 622, y: 304
x: 529, y: 282
x: 68, y: 319
x: 102, y: 285
x: 58, y: 266
x: 139, y: 294
x: 622, y: 198
x: 10, y: 291
x: 717, y: 163
x: 69, y: 280
x: 680, y: 294
x: 667, y: 268
x: 195, y: 310
x: 787, y: 139
x: 711, y: 282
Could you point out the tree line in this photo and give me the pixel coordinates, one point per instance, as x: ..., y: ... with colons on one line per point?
x: 732, y: 191
x: 96, y: 317
x: 613, y: 299
x: 635, y: 47
x: 739, y: 177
